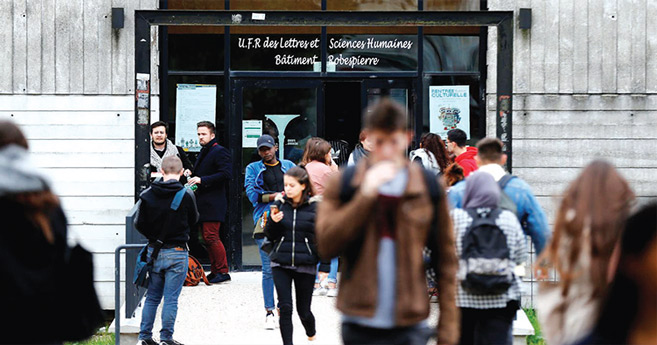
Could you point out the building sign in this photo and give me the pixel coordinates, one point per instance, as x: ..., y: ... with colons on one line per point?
x: 345, y: 52
x: 194, y: 103
x: 449, y: 108
x: 251, y: 131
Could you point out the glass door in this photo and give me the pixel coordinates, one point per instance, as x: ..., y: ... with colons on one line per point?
x: 399, y: 90
x: 288, y: 111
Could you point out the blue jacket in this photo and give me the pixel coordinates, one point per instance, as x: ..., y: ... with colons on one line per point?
x: 536, y: 224
x: 253, y: 183
x: 214, y: 166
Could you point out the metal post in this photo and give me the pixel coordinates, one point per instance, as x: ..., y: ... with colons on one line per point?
x: 142, y: 103
x: 117, y: 288
x: 505, y: 86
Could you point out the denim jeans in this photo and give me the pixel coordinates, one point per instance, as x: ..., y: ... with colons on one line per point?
x: 267, y: 278
x: 333, y: 272
x: 167, y: 279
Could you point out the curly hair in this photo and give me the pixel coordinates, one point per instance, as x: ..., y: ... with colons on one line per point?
x: 435, y: 144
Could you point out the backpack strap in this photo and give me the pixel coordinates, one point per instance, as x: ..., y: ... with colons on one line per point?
x: 505, y: 180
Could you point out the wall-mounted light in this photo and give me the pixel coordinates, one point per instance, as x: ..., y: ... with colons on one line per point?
x: 525, y: 18
x: 118, y: 17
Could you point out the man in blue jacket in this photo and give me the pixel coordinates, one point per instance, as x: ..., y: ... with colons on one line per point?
x: 490, y: 159
x: 263, y: 181
x: 212, y: 171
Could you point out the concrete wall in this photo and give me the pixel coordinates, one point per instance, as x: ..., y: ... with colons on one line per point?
x: 67, y: 78
x: 585, y: 87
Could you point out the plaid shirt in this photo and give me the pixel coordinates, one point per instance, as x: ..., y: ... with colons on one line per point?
x: 510, y: 226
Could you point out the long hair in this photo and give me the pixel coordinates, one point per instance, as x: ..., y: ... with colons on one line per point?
x: 316, y: 150
x: 599, y: 201
x: 301, y: 175
x: 36, y: 205
x: 434, y: 144
x: 622, y: 305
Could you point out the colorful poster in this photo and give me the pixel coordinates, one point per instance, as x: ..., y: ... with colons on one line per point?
x: 194, y: 103
x: 449, y: 108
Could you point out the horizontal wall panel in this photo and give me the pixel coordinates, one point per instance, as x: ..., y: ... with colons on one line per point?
x: 100, y: 118
x: 95, y: 132
x: 92, y: 181
x: 89, y: 146
x: 98, y: 238
x: 104, y: 266
x: 83, y: 159
x: 553, y: 181
x: 66, y: 103
x: 584, y: 102
x: 577, y: 153
x: 105, y: 292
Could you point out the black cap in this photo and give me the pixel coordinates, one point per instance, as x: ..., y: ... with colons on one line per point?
x: 265, y: 140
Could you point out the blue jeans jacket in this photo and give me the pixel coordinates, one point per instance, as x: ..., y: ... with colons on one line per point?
x: 536, y: 225
x: 167, y: 279
x: 253, y: 183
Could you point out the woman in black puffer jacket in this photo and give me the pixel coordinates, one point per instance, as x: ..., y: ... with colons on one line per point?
x: 291, y: 227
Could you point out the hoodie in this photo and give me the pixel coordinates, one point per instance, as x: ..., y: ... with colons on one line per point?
x: 155, y: 213
x: 467, y: 161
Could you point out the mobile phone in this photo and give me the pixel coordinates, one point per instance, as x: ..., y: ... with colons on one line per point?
x: 274, y: 209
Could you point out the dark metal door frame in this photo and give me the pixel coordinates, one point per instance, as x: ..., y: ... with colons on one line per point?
x: 238, y: 85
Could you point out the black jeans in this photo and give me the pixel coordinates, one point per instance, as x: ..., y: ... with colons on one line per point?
x: 303, y: 284
x: 353, y: 334
x: 488, y: 326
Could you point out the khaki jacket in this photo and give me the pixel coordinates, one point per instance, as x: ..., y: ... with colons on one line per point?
x: 349, y: 230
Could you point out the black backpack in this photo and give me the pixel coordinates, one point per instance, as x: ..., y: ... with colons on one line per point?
x: 486, y: 267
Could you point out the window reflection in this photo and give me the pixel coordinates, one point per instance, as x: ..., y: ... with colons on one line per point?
x: 371, y: 5
x: 451, y: 53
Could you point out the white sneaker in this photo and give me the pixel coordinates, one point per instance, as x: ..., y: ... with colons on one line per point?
x: 270, y: 321
x: 322, y: 290
x: 332, y: 292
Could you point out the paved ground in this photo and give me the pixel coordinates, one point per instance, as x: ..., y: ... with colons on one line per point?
x: 233, y: 313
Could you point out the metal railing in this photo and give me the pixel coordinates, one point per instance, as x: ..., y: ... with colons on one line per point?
x: 117, y: 289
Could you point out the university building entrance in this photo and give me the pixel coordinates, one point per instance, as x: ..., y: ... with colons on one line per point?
x: 295, y: 82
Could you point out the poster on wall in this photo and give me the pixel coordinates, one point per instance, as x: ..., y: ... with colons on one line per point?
x: 251, y: 131
x: 194, y: 103
x: 449, y: 108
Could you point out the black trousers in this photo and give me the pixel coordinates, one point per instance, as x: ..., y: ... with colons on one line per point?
x: 353, y: 334
x: 303, y: 284
x: 488, y: 326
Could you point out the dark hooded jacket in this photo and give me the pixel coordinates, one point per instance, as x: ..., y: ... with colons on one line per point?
x: 294, y: 236
x: 155, y: 213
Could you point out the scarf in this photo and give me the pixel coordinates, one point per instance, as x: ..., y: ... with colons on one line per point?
x: 169, y: 150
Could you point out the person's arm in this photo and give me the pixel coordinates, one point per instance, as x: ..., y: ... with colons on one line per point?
x: 140, y: 218
x: 250, y: 184
x: 193, y: 215
x: 223, y: 166
x: 187, y: 164
x: 447, y: 267
x: 535, y: 224
x: 455, y: 195
x: 339, y: 223
x: 273, y: 230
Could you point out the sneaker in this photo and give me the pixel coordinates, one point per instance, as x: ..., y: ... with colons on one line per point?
x: 332, y: 292
x: 270, y: 321
x: 147, y: 342
x: 170, y: 342
x: 312, y: 338
x: 211, y: 276
x: 322, y: 290
x: 220, y: 278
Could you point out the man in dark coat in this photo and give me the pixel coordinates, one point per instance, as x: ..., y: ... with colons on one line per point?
x: 212, y: 171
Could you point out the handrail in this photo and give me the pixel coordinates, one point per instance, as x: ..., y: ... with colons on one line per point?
x: 117, y: 288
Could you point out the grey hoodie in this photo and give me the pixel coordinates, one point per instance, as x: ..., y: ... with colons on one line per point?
x: 20, y: 174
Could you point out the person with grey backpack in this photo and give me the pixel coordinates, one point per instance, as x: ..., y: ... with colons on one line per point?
x: 489, y: 244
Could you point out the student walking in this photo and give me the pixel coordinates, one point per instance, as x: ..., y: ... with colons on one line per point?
x: 167, y: 232
x: 291, y: 229
x: 320, y: 167
x: 588, y: 227
x: 490, y: 159
x: 263, y: 182
x: 380, y: 215
x: 463, y: 155
x: 362, y: 149
x: 489, y: 243
x: 432, y: 153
